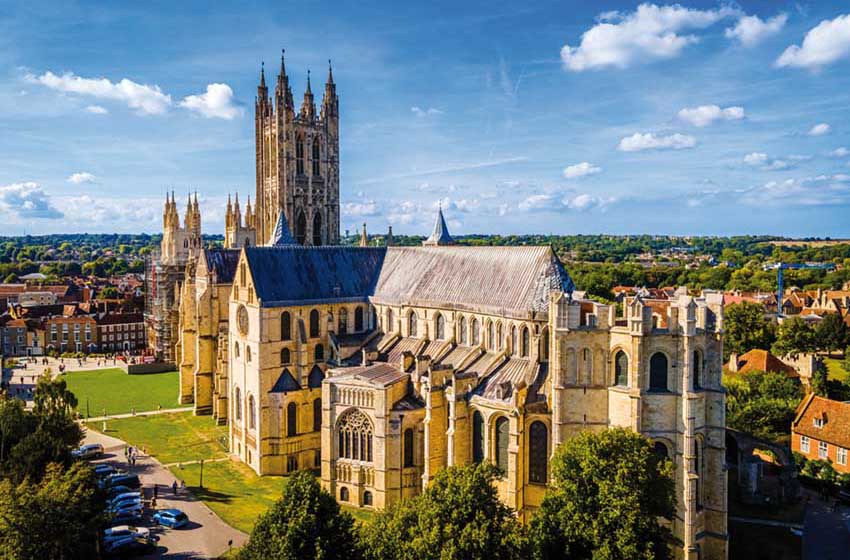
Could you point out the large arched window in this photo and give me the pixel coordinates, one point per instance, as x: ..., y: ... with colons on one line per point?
x: 660, y: 450
x: 441, y: 327
x: 476, y: 332
x: 237, y: 403
x: 696, y: 373
x: 354, y: 433
x: 367, y: 498
x: 477, y: 437
x: 343, y: 494
x: 285, y: 326
x: 291, y: 420
x: 314, y: 323
x: 658, y: 372
x: 317, y: 229
x: 408, y: 447
x: 300, y: 228
x: 358, y: 319
x: 462, y: 328
x: 285, y: 357
x: 524, y: 344
x: 412, y: 321
x: 252, y: 418
x: 621, y: 369
x: 299, y: 155
x: 538, y: 453
x: 317, y: 154
x: 319, y: 352
x: 317, y: 415
x: 343, y: 321
x: 501, y: 440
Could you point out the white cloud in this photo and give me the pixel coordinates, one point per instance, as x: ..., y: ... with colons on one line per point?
x: 755, y: 158
x: 420, y: 112
x: 216, y: 103
x: 649, y: 33
x: 584, y: 201
x: 581, y: 170
x: 359, y: 209
x: 649, y: 141
x: 840, y: 152
x: 539, y: 202
x: 823, y: 190
x: 80, y: 178
x: 96, y: 110
x: 820, y: 129
x: 705, y: 115
x: 824, y: 44
x: 149, y: 100
x: 752, y: 30
x: 27, y: 200
x: 762, y: 160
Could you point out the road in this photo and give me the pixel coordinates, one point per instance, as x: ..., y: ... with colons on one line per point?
x: 826, y: 532
x: 207, y: 536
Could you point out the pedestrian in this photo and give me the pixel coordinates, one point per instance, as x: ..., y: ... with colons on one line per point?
x: 174, y: 487
x: 182, y: 486
x: 155, y: 491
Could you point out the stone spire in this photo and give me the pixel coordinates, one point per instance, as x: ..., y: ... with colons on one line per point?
x: 308, y: 106
x: 249, y: 214
x: 330, y: 103
x: 440, y: 235
x: 364, y: 239
x: 228, y: 214
x: 281, y: 236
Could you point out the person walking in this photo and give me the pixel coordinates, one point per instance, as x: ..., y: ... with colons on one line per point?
x: 174, y: 487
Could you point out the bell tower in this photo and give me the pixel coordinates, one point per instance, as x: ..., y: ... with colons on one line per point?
x: 297, y: 156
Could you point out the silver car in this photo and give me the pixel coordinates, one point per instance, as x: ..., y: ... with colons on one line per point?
x: 88, y: 451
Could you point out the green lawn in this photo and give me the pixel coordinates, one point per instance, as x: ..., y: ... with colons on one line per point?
x: 835, y: 371
x: 171, y: 438
x: 119, y: 393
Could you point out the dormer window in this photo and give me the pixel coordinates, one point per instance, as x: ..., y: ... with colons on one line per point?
x: 819, y: 422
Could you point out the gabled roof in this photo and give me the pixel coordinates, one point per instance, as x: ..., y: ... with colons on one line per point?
x: 221, y: 263
x: 762, y: 360
x: 285, y: 383
x: 440, y: 235
x: 281, y: 236
x: 834, y: 414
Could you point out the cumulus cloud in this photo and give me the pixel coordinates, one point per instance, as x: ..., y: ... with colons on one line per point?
x: 840, y: 152
x: 762, y: 160
x: 820, y: 129
x: 755, y: 158
x: 80, y: 178
x: 824, y: 44
x: 649, y: 33
x: 705, y: 115
x: 752, y: 30
x: 822, y: 190
x: 27, y: 200
x: 539, y: 202
x: 554, y: 203
x: 638, y: 142
x: 420, y: 112
x: 216, y: 103
x: 96, y: 110
x: 148, y: 100
x: 359, y: 209
x: 581, y: 170
x: 586, y: 201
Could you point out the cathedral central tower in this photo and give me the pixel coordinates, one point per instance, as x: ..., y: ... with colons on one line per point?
x: 297, y: 162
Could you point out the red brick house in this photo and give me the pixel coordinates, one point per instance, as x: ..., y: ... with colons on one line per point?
x: 821, y: 430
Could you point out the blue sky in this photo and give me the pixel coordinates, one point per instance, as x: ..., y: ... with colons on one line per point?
x: 560, y: 117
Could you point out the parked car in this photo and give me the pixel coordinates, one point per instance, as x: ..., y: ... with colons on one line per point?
x: 124, y: 531
x: 173, y: 518
x: 103, y: 470
x: 126, y: 517
x: 130, y: 546
x: 88, y: 451
x: 117, y: 491
x: 123, y: 479
x: 123, y: 495
x: 125, y: 503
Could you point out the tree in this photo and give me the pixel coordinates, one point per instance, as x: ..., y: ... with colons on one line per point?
x: 458, y: 516
x: 761, y: 403
x: 820, y: 381
x: 745, y: 328
x: 831, y: 334
x: 306, y: 522
x: 794, y: 337
x: 606, y: 493
x: 56, y: 518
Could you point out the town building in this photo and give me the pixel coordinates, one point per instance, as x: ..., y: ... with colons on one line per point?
x: 120, y: 332
x: 821, y: 431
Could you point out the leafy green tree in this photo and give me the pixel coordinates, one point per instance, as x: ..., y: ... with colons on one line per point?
x: 458, y: 517
x: 56, y: 518
x: 606, y: 493
x: 761, y: 403
x: 306, y: 522
x: 15, y: 424
x: 820, y: 382
x: 831, y: 334
x: 794, y: 337
x: 746, y: 328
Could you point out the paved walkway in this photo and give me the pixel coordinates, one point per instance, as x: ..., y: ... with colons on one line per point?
x: 207, y: 536
x: 133, y: 415
x: 826, y: 534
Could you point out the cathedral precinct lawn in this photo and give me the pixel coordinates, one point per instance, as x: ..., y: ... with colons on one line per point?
x: 835, y: 371
x: 119, y: 393
x: 171, y: 438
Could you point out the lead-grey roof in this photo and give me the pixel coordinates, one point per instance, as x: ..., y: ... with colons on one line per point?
x: 502, y: 280
x: 222, y: 263
x: 281, y: 236
x: 440, y: 235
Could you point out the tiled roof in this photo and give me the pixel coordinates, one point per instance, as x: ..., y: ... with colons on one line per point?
x: 762, y: 360
x: 222, y: 263
x: 836, y: 417
x: 379, y: 374
x: 501, y: 384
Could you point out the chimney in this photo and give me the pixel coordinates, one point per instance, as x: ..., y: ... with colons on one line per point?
x: 733, y: 362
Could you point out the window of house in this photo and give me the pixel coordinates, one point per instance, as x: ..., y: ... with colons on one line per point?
x: 498, y: 345
x: 317, y: 458
x: 319, y: 353
x: 698, y: 470
x: 818, y: 422
x: 343, y: 494
x: 284, y: 356
x: 248, y: 353
x: 538, y: 453
x: 658, y: 372
x: 291, y: 420
x: 462, y: 328
x: 514, y: 342
x: 841, y: 456
x: 804, y: 444
x: 291, y: 463
x: 367, y: 498
x: 317, y: 229
x: 621, y: 369
x: 491, y: 336
x: 823, y: 450
x: 501, y: 440
x: 314, y: 323
x: 408, y: 447
x: 285, y: 326
x: 477, y: 437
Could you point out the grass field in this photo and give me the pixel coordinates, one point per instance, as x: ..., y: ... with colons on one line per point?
x: 119, y: 393
x: 835, y: 371
x: 171, y: 438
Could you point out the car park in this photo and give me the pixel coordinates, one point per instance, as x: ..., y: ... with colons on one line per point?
x: 125, y: 503
x: 130, y: 546
x: 123, y: 479
x: 173, y: 518
x: 104, y: 470
x: 123, y: 531
x: 126, y: 517
x: 124, y: 495
x: 117, y: 491
x: 89, y: 451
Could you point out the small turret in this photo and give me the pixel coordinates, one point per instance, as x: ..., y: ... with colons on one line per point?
x: 237, y: 213
x: 228, y: 218
x: 189, y: 216
x: 330, y: 103
x: 281, y: 236
x: 308, y: 106
x: 389, y: 240
x: 440, y: 235
x: 249, y: 214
